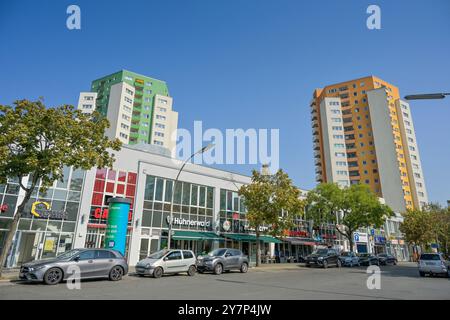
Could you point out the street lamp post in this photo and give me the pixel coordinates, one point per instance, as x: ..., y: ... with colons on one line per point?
x: 202, y: 150
x: 426, y: 96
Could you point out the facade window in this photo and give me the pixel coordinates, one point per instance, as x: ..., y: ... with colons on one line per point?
x: 341, y: 163
x: 162, y: 101
x: 342, y: 172
x: 129, y: 91
x: 88, y: 98
x: 161, y: 109
x: 148, y: 84
x: 338, y: 136
x: 123, y: 135
x: 147, y: 100
x: 128, y: 100
x: 148, y: 91
x: 158, y: 143
x: 337, y: 128
x: 337, y: 120
x: 339, y: 154
x: 159, y: 134
x: 339, y: 145
x: 125, y: 117
x: 124, y: 126
x: 87, y: 106
x: 160, y: 125
x: 128, y: 78
x: 126, y: 108
x: 159, y: 117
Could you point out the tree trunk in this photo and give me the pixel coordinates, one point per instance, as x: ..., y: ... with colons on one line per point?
x: 258, y: 248
x: 10, y: 236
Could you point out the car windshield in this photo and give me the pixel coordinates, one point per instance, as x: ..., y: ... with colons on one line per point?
x: 217, y: 252
x: 427, y: 256
x: 69, y: 254
x: 382, y: 255
x: 321, y: 251
x: 158, y: 254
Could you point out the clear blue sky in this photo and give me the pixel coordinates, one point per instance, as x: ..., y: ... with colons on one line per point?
x: 239, y: 64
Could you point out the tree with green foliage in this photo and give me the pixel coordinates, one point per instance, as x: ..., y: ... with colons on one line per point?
x: 431, y: 224
x: 37, y: 142
x: 348, y: 209
x: 271, y: 200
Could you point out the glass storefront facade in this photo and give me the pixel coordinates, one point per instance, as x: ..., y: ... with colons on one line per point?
x: 38, y: 235
x: 192, y: 211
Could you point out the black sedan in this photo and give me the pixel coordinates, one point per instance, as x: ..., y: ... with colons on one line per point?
x: 367, y: 259
x: 386, y: 259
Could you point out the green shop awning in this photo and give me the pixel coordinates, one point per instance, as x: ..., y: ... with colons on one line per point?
x: 196, y: 235
x: 251, y: 237
x: 270, y: 239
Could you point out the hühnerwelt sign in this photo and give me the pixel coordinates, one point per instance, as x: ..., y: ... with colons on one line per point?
x: 187, y: 222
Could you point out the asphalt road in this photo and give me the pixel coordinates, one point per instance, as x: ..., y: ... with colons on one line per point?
x: 297, y: 282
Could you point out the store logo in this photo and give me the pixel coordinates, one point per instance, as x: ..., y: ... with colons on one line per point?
x: 41, y: 209
x: 100, y: 213
x: 187, y: 222
x: 226, y: 225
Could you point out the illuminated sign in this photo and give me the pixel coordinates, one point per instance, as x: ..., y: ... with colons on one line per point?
x: 41, y: 209
x: 3, y: 208
x: 100, y: 213
x: 187, y: 222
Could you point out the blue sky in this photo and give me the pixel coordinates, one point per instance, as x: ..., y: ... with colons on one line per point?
x: 239, y: 64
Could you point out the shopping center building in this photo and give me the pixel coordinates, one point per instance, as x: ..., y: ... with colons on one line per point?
x: 207, y: 212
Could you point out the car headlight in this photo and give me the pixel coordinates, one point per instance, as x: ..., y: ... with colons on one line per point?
x: 36, y: 268
x: 147, y: 266
x: 208, y: 262
x: 320, y: 258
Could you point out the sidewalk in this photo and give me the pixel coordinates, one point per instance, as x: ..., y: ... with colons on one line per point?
x: 10, y: 274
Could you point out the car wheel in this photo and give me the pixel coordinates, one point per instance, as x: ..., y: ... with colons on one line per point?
x: 218, y: 269
x: 422, y: 274
x: 325, y: 264
x: 53, y: 276
x: 191, y: 271
x: 244, y: 267
x: 395, y: 263
x: 116, y: 273
x: 308, y: 265
x: 158, y: 272
x: 339, y: 263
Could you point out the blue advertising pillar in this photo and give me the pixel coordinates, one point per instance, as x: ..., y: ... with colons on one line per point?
x: 116, y: 228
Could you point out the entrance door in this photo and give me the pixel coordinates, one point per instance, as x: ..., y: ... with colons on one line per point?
x: 31, y: 245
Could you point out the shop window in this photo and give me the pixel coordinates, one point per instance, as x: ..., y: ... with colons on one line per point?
x: 74, y: 196
x: 101, y: 174
x: 131, y: 190
x: 168, y: 193
x: 97, y: 199
x: 202, y: 200
x: 110, y: 187
x: 68, y: 227
x: 72, y: 209
x: 122, y: 176
x: 60, y: 194
x: 65, y: 179
x: 159, y: 189
x: 132, y: 177
x: 112, y: 175
x: 149, y: 188
x: 177, y: 195
x: 186, y: 193
x: 76, y: 181
x: 194, y: 195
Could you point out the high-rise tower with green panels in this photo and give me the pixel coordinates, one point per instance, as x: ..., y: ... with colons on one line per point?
x: 138, y: 107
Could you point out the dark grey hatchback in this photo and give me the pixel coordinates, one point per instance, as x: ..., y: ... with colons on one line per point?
x: 224, y: 259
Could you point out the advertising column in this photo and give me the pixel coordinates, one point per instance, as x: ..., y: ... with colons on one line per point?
x: 116, y: 228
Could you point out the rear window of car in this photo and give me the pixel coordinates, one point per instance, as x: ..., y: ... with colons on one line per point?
x: 428, y: 256
x: 104, y: 254
x: 188, y: 254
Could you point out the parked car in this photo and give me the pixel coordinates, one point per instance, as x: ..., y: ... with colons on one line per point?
x: 433, y: 263
x: 385, y: 259
x: 167, y: 262
x: 221, y: 260
x: 368, y: 259
x: 92, y: 263
x: 349, y: 258
x: 323, y: 258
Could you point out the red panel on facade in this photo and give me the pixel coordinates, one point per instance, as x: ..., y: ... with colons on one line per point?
x: 130, y: 190
x: 110, y: 187
x: 112, y: 175
x: 99, y: 185
x: 132, y: 177
x: 120, y: 188
x: 101, y: 174
x: 122, y: 176
x: 97, y: 199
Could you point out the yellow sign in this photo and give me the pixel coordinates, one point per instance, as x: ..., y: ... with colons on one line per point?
x: 49, y: 244
x: 36, y: 205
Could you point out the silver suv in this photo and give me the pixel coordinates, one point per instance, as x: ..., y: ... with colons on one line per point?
x: 433, y: 263
x: 220, y: 260
x: 167, y: 262
x: 92, y: 263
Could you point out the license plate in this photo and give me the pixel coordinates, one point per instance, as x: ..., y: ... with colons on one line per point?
x: 429, y: 263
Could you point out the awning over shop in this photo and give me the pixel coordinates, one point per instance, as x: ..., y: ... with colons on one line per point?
x: 196, y: 235
x: 300, y: 241
x: 251, y: 237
